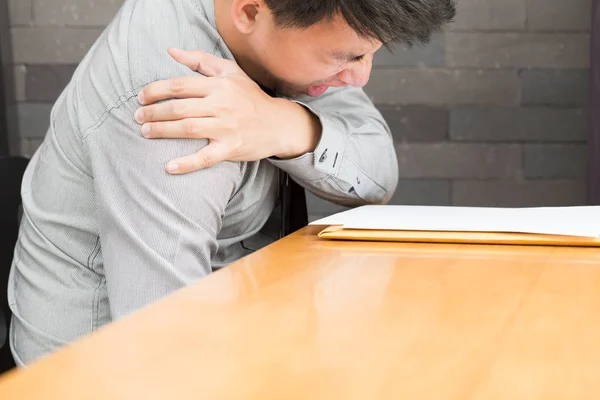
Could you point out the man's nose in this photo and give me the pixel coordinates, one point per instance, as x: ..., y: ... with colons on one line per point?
x: 357, y: 74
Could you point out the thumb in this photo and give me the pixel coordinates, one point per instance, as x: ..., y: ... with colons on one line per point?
x: 205, y: 158
x: 205, y: 63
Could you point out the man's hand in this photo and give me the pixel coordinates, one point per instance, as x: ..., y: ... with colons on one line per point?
x: 241, y: 122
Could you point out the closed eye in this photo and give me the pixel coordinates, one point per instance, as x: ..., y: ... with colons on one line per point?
x: 345, y: 57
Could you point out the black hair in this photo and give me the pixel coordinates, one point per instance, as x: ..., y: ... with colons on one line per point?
x: 389, y: 21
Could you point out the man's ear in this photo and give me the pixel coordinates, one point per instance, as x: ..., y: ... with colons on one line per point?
x: 247, y: 14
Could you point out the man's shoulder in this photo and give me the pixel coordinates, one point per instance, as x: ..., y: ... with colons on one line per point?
x: 132, y: 52
x: 156, y: 26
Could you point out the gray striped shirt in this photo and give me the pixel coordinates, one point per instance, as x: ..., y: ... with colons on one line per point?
x: 105, y: 230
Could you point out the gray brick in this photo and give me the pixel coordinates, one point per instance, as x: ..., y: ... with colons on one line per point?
x: 34, y: 144
x: 422, y: 192
x: 489, y: 15
x: 554, y: 87
x: 30, y: 146
x: 442, y: 87
x: 518, y: 194
x: 521, y: 50
x: 34, y: 119
x: 430, y: 54
x: 318, y: 206
x: 19, y: 12
x: 557, y: 15
x: 19, y: 74
x: 451, y: 160
x: 414, y: 123
x: 24, y: 147
x: 75, y: 12
x: 482, y: 124
x: 555, y: 160
x: 51, y: 45
x: 46, y: 82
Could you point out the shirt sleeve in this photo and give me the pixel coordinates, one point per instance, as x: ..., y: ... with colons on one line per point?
x: 355, y: 161
x: 157, y: 231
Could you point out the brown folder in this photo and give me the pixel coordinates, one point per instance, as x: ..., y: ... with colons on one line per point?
x: 340, y: 233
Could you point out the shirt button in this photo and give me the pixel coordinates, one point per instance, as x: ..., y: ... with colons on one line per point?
x: 323, y: 156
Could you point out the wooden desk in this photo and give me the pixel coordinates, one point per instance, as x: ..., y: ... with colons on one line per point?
x: 308, y: 319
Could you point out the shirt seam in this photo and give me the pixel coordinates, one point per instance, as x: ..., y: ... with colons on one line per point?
x: 122, y: 100
x: 96, y: 306
x: 123, y: 97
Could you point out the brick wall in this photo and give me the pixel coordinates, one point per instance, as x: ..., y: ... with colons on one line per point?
x: 491, y: 112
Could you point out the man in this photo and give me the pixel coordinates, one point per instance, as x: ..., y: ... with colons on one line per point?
x: 107, y: 227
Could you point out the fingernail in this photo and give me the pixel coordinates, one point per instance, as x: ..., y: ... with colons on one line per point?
x: 139, y: 116
x: 146, y: 130
x: 172, y: 167
x: 141, y: 97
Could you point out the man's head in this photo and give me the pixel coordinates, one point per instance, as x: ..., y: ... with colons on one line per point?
x: 300, y: 47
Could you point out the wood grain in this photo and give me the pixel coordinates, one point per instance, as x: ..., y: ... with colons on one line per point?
x: 312, y: 319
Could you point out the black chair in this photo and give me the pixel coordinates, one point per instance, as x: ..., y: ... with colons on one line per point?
x: 294, y: 209
x: 11, y: 175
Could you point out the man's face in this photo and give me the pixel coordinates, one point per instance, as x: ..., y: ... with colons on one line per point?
x: 308, y: 61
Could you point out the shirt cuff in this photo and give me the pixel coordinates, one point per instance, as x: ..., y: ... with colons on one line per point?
x: 331, y: 159
x: 327, y: 157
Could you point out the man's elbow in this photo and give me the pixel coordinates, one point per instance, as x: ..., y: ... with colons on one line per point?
x: 390, y: 189
x: 383, y: 190
x: 389, y: 183
x: 386, y: 165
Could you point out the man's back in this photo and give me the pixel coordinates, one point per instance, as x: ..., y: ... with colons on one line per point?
x: 105, y: 229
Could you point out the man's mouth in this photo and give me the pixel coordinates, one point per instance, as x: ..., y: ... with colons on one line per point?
x: 318, y: 90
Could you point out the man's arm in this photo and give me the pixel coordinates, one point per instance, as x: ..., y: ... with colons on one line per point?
x: 157, y: 231
x: 355, y: 161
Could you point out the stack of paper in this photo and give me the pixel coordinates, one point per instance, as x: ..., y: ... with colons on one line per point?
x: 581, y: 223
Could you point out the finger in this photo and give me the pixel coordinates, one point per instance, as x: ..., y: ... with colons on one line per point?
x: 174, y: 110
x: 198, y: 60
x: 176, y: 88
x: 189, y: 128
x: 205, y: 158
x: 206, y: 63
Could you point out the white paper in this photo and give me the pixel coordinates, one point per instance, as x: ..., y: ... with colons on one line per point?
x: 569, y: 221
